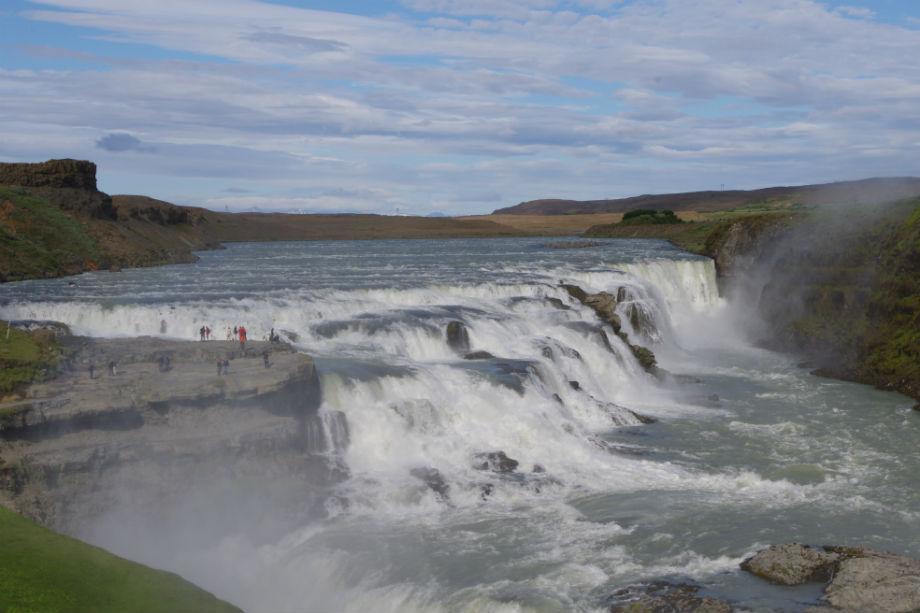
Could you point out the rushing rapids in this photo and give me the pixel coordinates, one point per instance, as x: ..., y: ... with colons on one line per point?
x: 514, y: 467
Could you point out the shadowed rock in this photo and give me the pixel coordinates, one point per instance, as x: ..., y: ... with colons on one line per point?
x: 495, y: 461
x: 458, y: 338
x: 664, y: 597
x: 433, y: 479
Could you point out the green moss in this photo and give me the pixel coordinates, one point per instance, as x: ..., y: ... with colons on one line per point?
x: 44, y: 571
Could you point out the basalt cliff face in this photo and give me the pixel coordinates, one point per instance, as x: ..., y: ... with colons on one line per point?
x: 165, y: 431
x: 840, y: 286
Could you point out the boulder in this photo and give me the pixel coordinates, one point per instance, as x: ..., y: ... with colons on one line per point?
x: 433, y: 479
x: 604, y: 304
x: 495, y: 461
x: 861, y: 580
x: 875, y: 582
x: 478, y: 355
x: 458, y: 338
x: 791, y: 564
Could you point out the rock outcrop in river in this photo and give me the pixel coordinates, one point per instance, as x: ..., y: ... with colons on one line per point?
x: 141, y: 423
x: 860, y: 580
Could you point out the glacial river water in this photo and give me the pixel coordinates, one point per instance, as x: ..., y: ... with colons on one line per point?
x: 747, y: 449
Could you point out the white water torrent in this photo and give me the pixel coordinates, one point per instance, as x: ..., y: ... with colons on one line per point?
x: 747, y: 448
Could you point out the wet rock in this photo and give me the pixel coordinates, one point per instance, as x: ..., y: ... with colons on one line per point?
x: 861, y: 580
x: 575, y: 292
x: 791, y: 564
x: 642, y: 321
x: 478, y: 355
x: 433, y: 479
x: 604, y: 304
x: 575, y: 385
x: 664, y: 597
x: 495, y: 461
x: 558, y: 304
x: 645, y: 356
x: 643, y: 419
x: 874, y: 582
x: 458, y: 338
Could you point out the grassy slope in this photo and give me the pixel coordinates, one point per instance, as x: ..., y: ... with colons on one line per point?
x: 845, y: 289
x: 25, y: 357
x: 37, y: 239
x: 41, y: 570
x: 696, y: 234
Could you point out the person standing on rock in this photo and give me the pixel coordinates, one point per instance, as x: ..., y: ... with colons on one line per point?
x: 242, y: 339
x: 229, y: 333
x: 113, y: 368
x: 265, y: 358
x: 201, y: 332
x: 220, y: 366
x: 92, y: 368
x: 236, y: 332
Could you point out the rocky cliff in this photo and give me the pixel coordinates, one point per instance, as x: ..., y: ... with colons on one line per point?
x: 840, y: 285
x: 143, y: 426
x: 54, y: 222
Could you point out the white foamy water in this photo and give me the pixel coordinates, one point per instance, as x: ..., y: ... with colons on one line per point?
x: 747, y: 448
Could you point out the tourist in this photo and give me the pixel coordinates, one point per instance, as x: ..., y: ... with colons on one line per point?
x: 220, y: 365
x: 265, y: 358
x: 92, y: 368
x: 113, y: 368
x: 226, y: 367
x: 201, y: 332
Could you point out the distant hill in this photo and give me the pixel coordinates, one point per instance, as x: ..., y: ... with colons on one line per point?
x: 865, y: 190
x: 55, y: 222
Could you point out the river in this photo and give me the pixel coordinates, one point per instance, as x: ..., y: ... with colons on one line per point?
x: 747, y: 448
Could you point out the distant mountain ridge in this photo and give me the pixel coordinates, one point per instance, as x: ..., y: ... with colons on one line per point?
x: 863, y: 190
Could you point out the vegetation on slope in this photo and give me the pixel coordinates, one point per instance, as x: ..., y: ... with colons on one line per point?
x: 37, y: 239
x: 26, y: 357
x: 649, y: 216
x: 41, y: 570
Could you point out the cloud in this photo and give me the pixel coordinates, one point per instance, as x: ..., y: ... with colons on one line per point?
x: 856, y: 11
x: 577, y: 98
x: 304, y: 44
x: 121, y: 141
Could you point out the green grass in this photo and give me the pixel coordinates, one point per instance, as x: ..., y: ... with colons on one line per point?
x: 37, y: 239
x: 41, y: 570
x: 26, y: 357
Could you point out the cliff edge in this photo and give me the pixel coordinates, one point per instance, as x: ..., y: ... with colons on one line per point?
x: 54, y: 222
x: 839, y: 286
x: 140, y: 423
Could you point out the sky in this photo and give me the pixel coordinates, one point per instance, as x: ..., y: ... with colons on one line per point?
x: 458, y: 107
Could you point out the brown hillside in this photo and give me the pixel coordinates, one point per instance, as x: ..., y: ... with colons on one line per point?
x: 865, y: 190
